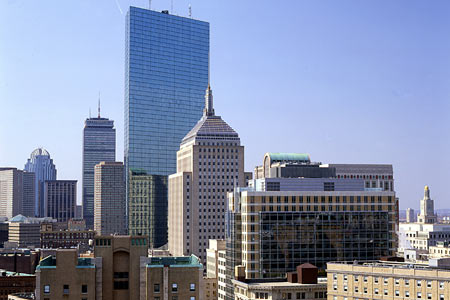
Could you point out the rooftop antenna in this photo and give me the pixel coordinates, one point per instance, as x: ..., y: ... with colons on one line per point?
x: 149, y: 4
x: 99, y: 105
x: 190, y: 11
x: 89, y: 112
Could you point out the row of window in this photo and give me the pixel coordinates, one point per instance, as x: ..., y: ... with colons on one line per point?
x: 84, y: 289
x: 376, y: 280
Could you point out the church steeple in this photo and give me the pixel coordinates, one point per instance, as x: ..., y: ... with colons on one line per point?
x: 209, y: 109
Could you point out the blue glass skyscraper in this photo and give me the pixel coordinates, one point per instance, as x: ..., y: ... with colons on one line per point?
x: 42, y: 165
x: 166, y: 74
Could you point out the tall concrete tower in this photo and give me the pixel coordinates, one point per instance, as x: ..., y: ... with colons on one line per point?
x: 427, y: 215
x: 210, y: 163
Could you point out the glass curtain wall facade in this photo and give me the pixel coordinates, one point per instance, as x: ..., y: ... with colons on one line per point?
x: 166, y: 74
x: 99, y: 144
x: 42, y: 166
x: 146, y: 196
x: 289, y: 239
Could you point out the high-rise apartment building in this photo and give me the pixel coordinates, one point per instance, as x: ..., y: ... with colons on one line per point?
x: 42, y: 166
x: 99, y: 144
x: 60, y: 199
x: 29, y: 194
x: 210, y: 163
x: 166, y: 73
x: 146, y: 196
x: 109, y: 199
x: 17, y: 192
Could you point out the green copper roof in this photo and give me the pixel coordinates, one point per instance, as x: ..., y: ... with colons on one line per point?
x: 289, y: 156
x: 182, y: 261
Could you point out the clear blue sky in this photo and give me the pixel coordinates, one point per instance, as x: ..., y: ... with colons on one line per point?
x: 346, y: 81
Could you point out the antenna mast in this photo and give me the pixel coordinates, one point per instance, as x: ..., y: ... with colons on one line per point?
x: 190, y: 11
x: 149, y: 4
x: 99, y: 105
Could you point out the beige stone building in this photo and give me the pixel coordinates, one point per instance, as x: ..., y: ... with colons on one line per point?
x: 215, y: 266
x: 109, y: 199
x: 210, y: 163
x: 383, y: 280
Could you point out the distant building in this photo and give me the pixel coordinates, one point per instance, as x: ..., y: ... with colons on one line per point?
x: 385, y: 280
x: 441, y: 250
x: 53, y: 237
x: 42, y: 166
x: 210, y: 163
x: 163, y: 94
x: 427, y: 215
x: 410, y: 215
x: 16, y: 192
x: 109, y: 199
x: 19, y: 260
x: 4, y: 227
x: 99, y: 144
x: 29, y: 194
x: 146, y: 198
x: 424, y: 233
x: 25, y: 231
x: 12, y: 282
x: 60, y: 199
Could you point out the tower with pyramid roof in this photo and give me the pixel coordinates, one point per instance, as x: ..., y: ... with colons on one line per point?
x: 210, y: 163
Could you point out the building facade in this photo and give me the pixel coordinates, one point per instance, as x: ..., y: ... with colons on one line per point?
x: 410, y: 215
x: 166, y: 73
x: 99, y: 144
x: 42, y: 166
x: 60, y: 199
x: 383, y: 280
x: 210, y: 163
x: 11, y: 192
x: 119, y: 269
x: 109, y: 199
x: 52, y: 237
x: 147, y: 211
x: 427, y: 215
x: 12, y: 282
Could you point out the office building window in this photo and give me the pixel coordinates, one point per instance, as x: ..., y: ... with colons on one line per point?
x: 156, y: 288
x: 46, y: 289
x: 84, y: 289
x: 65, y: 289
x: 192, y: 287
x: 174, y: 287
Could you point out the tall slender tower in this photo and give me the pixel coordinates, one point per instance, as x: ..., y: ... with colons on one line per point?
x: 427, y: 215
x: 166, y: 73
x: 210, y: 163
x: 42, y: 166
x: 99, y: 144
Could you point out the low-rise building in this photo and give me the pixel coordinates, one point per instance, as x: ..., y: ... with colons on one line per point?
x: 25, y: 231
x: 303, y: 284
x: 19, y: 260
x: 387, y: 280
x: 12, y: 282
x: 118, y: 269
x: 54, y: 282
x: 54, y: 237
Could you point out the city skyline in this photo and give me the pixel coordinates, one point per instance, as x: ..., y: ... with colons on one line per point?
x: 381, y: 116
